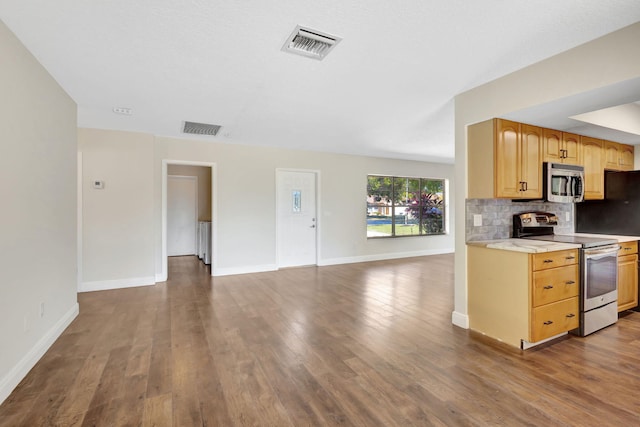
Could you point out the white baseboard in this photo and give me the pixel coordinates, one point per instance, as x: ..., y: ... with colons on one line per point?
x: 382, y: 257
x: 161, y: 277
x: 244, y: 270
x: 105, y: 285
x: 19, y: 371
x: 459, y: 319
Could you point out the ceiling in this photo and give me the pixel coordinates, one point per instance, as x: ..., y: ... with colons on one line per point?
x: 385, y: 90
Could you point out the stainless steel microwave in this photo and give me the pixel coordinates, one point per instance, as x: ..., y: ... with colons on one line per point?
x: 563, y: 183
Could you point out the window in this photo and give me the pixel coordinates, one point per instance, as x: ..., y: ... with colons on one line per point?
x: 403, y: 206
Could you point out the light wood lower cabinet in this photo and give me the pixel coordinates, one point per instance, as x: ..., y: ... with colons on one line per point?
x: 516, y: 296
x: 627, y: 276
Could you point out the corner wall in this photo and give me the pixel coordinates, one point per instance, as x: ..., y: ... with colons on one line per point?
x: 38, y: 217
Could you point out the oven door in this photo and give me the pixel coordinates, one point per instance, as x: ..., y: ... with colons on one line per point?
x: 599, y: 276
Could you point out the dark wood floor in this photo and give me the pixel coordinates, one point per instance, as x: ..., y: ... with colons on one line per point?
x: 367, y: 344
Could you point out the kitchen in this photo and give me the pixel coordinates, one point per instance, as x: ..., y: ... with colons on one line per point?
x: 528, y: 292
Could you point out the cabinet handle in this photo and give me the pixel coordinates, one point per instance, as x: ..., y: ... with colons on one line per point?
x: 570, y: 257
x: 627, y: 249
x: 570, y: 282
x: 521, y: 185
x: 571, y: 315
x: 548, y: 322
x: 548, y: 287
x: 547, y: 261
x: 525, y: 186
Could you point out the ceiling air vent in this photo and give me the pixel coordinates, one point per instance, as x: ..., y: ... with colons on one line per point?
x: 201, y: 128
x: 310, y: 43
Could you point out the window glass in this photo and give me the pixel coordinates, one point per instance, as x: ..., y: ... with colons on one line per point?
x: 405, y: 206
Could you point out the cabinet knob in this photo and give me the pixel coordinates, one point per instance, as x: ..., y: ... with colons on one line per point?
x: 548, y: 322
x: 548, y: 287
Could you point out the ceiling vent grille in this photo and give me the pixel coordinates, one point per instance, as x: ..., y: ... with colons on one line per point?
x: 201, y: 128
x: 310, y: 43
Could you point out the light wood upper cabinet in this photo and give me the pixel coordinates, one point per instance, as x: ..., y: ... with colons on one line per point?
x: 618, y: 156
x: 518, y: 161
x: 592, y: 154
x: 560, y: 147
x: 505, y: 159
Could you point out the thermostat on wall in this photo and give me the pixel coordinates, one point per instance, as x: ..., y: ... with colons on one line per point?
x: 98, y: 185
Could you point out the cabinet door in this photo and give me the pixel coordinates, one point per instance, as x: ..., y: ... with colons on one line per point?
x: 611, y: 155
x: 552, y: 146
x: 507, y: 155
x: 531, y: 161
x: 626, y: 157
x: 593, y: 162
x: 627, y: 282
x: 571, y: 146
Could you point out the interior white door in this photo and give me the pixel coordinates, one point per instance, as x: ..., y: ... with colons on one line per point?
x: 182, y: 215
x: 297, y: 221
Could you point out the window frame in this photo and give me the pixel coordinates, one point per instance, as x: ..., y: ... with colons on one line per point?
x: 404, y: 204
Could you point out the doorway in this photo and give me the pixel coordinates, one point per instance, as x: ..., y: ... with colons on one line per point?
x: 205, y: 210
x: 297, y: 223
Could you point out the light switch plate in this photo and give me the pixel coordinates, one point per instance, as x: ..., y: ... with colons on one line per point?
x: 567, y: 216
x: 477, y: 220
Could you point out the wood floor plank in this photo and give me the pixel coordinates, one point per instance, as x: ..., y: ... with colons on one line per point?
x: 365, y: 344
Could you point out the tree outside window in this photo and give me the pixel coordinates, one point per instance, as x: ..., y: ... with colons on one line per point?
x: 404, y: 206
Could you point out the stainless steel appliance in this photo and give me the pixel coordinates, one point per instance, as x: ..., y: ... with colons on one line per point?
x: 563, y: 183
x: 598, y: 268
x: 618, y: 212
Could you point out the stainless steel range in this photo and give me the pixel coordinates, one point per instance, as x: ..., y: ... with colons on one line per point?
x: 598, y: 268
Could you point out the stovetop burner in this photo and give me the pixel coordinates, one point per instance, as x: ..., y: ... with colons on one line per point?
x: 539, y: 226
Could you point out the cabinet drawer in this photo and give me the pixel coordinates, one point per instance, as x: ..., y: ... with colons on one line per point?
x: 555, y: 284
x: 628, y: 248
x: 555, y: 259
x: 555, y: 318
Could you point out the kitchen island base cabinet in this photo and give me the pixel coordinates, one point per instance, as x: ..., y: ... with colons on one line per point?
x: 520, y: 299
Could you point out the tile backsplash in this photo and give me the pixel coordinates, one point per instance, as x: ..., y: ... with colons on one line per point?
x: 497, y: 217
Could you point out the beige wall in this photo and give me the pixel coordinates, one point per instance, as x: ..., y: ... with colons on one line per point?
x: 203, y: 174
x: 38, y: 214
x: 123, y: 223
x: 245, y: 194
x: 118, y: 219
x: 603, y: 62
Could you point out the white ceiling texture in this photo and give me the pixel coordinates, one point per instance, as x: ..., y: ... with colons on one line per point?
x: 385, y: 90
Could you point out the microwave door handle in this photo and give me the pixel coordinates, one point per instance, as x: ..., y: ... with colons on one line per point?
x: 571, y: 191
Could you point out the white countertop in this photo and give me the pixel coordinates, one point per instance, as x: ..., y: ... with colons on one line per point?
x: 534, y: 246
x: 524, y: 245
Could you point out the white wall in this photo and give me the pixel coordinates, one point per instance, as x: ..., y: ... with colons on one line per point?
x: 598, y: 64
x: 38, y: 214
x: 117, y: 220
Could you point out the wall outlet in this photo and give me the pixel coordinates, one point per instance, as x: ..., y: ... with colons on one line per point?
x: 477, y: 220
x: 41, y: 309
